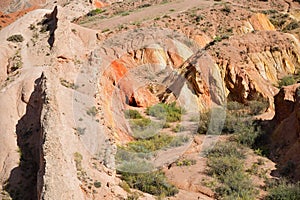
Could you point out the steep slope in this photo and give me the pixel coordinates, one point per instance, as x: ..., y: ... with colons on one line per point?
x: 65, y: 88
x: 285, y: 137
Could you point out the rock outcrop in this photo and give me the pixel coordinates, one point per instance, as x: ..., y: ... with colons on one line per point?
x: 285, y: 146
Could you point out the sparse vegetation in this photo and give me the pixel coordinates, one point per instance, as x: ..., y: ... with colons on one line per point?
x: 80, y: 131
x: 78, y: 159
x: 92, y: 111
x: 282, y: 190
x: 97, y: 184
x: 154, y: 183
x: 178, y: 128
x: 15, y: 38
x: 186, y: 162
x: 238, y: 122
x: 169, y: 112
x: 144, y: 127
x: 285, y: 81
x: 125, y: 186
x: 95, y: 12
x: 105, y: 30
x: 68, y: 84
x: 225, y: 162
x: 132, y: 114
x: 16, y: 61
x: 156, y: 142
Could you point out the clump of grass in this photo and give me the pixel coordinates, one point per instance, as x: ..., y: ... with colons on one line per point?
x: 283, y: 190
x: 238, y: 122
x: 144, y: 127
x: 169, y: 112
x: 97, y: 184
x: 105, y: 30
x: 154, y: 183
x: 257, y: 107
x: 178, y: 128
x: 124, y: 185
x: 95, y: 12
x: 186, y: 162
x: 80, y: 131
x: 78, y: 159
x: 155, y: 143
x: 68, y: 84
x: 92, y: 111
x: 16, y: 61
x: 225, y: 162
x: 285, y: 81
x: 132, y: 114
x: 15, y: 38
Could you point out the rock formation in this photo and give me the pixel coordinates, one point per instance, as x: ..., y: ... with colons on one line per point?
x: 285, y: 137
x: 64, y: 89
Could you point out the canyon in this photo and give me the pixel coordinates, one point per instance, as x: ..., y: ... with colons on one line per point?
x: 70, y: 69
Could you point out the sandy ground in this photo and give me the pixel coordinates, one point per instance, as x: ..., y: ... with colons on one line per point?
x: 149, y: 13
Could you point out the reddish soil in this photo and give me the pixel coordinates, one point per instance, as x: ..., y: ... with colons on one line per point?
x: 6, y: 19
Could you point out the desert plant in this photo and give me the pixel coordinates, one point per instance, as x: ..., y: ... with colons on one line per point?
x: 236, y: 185
x: 78, y: 159
x: 80, y: 131
x: 68, y: 84
x: 186, y: 162
x: 285, y: 81
x: 283, y: 190
x: 95, y: 12
x: 92, y: 111
x: 169, y: 112
x: 225, y: 162
x: 125, y: 186
x: 144, y: 128
x: 257, y: 107
x: 154, y: 183
x: 156, y: 142
x: 178, y: 128
x: 132, y: 114
x: 15, y: 38
x: 222, y: 149
x: 97, y: 184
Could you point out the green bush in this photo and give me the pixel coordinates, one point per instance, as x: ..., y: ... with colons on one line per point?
x: 203, y: 123
x: 284, y: 191
x: 285, y: 81
x: 178, y: 128
x: 97, y: 184
x: 132, y: 114
x: 225, y: 162
x: 257, y: 107
x: 221, y: 165
x: 92, y: 111
x: 186, y: 162
x: 95, y: 12
x: 168, y: 112
x: 222, y: 149
x: 15, y: 38
x: 78, y: 159
x: 246, y: 133
x: 154, y: 183
x: 144, y: 128
x: 156, y: 142
x: 234, y: 105
x: 236, y: 185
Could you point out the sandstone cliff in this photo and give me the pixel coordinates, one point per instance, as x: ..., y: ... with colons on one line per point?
x: 285, y: 138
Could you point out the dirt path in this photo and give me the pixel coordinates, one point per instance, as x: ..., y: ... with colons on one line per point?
x: 148, y: 13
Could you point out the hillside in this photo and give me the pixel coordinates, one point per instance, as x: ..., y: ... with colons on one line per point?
x: 156, y: 99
